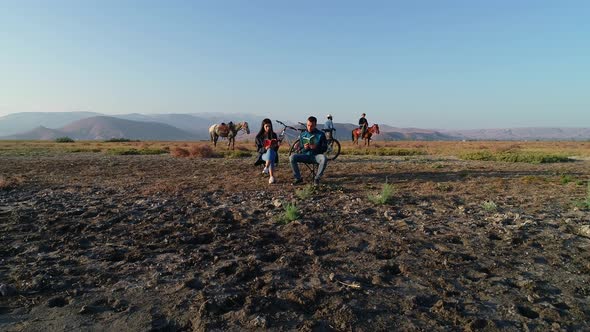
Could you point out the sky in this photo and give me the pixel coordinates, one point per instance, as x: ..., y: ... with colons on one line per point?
x: 449, y: 64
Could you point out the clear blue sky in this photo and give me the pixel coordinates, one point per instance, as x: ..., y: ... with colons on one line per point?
x: 429, y: 64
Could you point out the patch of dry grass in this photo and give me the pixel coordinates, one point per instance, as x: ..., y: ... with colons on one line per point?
x: 179, y: 152
x: 202, y: 151
x: 193, y: 151
x: 10, y: 182
x: 440, y: 148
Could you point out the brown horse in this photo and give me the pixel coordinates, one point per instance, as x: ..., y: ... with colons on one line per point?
x: 229, y: 130
x: 356, y: 133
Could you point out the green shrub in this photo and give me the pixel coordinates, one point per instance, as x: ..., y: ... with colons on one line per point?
x: 133, y: 151
x: 489, y: 206
x: 64, y: 139
x: 384, y: 152
x: 386, y: 195
x: 305, y: 192
x: 585, y: 203
x: 515, y: 157
x: 566, y: 178
x: 152, y: 151
x: 76, y: 150
x: 397, y: 152
x: 291, y: 213
x: 121, y: 140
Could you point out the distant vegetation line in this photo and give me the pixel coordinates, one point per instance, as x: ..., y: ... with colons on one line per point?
x: 530, y: 152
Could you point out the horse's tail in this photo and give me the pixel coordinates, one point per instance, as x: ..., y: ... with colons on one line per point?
x: 352, y: 136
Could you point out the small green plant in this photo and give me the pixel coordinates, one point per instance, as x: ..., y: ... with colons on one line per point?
x: 515, y: 157
x: 291, y: 213
x: 489, y: 206
x: 566, y: 178
x: 585, y: 203
x: 64, y: 139
x: 305, y: 192
x: 386, y: 195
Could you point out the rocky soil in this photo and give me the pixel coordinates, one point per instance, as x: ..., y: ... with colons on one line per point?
x: 135, y: 243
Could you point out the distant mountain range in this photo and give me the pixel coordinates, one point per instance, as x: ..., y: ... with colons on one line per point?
x: 175, y: 127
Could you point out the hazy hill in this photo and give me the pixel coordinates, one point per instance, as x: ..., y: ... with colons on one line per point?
x: 520, y: 134
x: 194, y: 126
x: 105, y: 127
x: 39, y: 133
x: 388, y: 133
x: 21, y: 122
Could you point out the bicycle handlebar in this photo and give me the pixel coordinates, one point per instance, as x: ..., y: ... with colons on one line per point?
x: 287, y: 126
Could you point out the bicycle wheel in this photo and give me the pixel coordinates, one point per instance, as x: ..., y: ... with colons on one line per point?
x: 333, y: 149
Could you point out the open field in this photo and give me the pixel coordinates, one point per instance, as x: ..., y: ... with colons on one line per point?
x: 125, y: 236
x: 572, y: 149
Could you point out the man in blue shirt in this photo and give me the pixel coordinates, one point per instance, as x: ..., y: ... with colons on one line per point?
x: 313, y: 144
x: 329, y: 127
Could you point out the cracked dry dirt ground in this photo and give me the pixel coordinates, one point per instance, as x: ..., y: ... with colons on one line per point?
x: 95, y: 242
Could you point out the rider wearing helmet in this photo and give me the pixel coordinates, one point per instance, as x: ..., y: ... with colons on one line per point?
x: 329, y: 126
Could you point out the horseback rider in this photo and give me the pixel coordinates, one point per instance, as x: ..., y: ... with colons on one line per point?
x: 363, y: 125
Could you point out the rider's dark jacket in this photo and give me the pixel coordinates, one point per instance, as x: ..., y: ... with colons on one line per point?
x: 363, y: 122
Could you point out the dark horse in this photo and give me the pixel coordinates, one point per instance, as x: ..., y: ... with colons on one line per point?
x: 229, y: 130
x: 374, y: 129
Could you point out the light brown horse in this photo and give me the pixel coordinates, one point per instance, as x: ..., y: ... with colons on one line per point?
x: 229, y: 130
x: 356, y: 133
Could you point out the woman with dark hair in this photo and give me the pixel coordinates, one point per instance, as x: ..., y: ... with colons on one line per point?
x: 267, y: 147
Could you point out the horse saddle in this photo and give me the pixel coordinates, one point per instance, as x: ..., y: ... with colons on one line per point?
x: 223, y: 129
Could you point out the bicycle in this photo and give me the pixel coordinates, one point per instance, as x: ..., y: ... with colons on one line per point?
x: 331, y: 153
x: 333, y: 145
